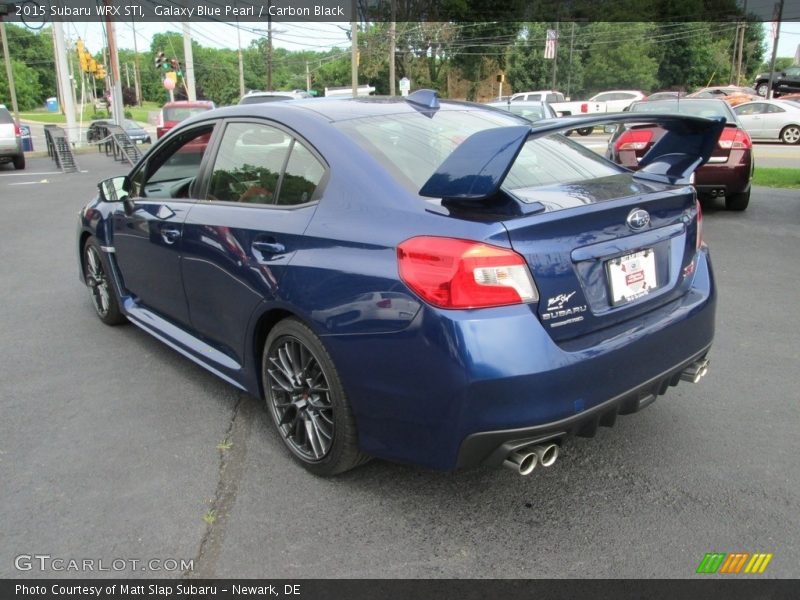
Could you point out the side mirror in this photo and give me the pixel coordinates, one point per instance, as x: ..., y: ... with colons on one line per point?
x: 610, y: 129
x: 114, y: 189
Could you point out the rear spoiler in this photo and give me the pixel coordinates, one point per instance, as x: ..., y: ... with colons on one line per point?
x: 476, y: 169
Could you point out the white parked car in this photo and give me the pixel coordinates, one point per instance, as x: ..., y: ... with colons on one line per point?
x: 618, y: 100
x: 770, y: 120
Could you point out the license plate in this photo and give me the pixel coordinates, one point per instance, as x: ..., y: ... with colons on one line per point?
x: 632, y: 276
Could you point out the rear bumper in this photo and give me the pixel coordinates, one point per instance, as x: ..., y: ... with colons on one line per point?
x: 492, y: 447
x: 455, y: 385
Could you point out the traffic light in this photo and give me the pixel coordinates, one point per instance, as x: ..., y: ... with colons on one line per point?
x: 100, y: 73
x: 161, y: 61
x: 173, y: 64
x: 82, y: 60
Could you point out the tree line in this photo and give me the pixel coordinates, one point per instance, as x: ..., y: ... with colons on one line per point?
x: 459, y: 59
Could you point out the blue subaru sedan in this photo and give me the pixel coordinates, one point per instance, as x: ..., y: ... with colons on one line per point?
x: 432, y: 282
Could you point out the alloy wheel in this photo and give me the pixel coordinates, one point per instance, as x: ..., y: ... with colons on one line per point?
x: 300, y: 401
x: 97, y: 281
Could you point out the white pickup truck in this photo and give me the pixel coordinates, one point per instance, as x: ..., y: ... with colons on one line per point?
x: 612, y: 101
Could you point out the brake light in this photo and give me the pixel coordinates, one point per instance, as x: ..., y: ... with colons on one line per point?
x: 17, y: 131
x: 699, y: 242
x: 387, y: 303
x: 453, y: 273
x: 584, y: 108
x: 634, y: 139
x: 733, y: 137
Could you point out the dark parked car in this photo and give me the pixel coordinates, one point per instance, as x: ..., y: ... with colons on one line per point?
x: 98, y: 130
x: 666, y: 95
x: 729, y: 170
x: 783, y: 82
x: 436, y: 283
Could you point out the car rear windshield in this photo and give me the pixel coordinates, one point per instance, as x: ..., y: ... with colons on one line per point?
x: 181, y: 113
x: 412, y: 146
x: 5, y: 117
x: 694, y: 108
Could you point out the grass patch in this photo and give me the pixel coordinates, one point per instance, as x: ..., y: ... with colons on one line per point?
x: 138, y: 113
x: 777, y: 177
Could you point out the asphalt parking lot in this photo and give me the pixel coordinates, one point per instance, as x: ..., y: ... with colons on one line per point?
x: 112, y: 446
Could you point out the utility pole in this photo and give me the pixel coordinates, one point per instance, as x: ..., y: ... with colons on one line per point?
x: 64, y: 84
x: 354, y: 52
x: 392, y: 35
x: 555, y: 59
x: 733, y: 54
x: 239, y: 46
x: 136, y: 69
x: 269, y: 47
x: 308, y: 78
x: 188, y: 75
x: 11, y: 89
x: 741, y: 46
x: 127, y: 75
x: 117, y: 105
x: 775, y: 47
x: 569, y: 70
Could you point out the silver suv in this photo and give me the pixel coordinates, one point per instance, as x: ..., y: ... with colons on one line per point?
x: 10, y: 142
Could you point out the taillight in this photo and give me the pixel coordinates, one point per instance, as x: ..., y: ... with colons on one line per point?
x: 584, y: 108
x: 733, y: 137
x: 17, y: 131
x: 453, y: 273
x: 387, y: 303
x: 699, y: 241
x: 634, y: 139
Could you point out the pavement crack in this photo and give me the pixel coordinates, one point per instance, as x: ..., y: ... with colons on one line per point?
x: 231, y: 469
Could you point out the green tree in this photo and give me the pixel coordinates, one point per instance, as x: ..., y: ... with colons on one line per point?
x: 619, y: 56
x: 26, y: 85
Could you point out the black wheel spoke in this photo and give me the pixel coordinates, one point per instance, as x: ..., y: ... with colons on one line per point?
x: 299, y: 395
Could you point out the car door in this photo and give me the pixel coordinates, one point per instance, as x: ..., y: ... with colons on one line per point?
x: 259, y: 195
x: 751, y: 116
x: 147, y: 239
x: 774, y: 119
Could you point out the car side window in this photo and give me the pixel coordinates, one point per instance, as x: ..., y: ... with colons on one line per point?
x: 749, y: 109
x: 771, y: 108
x: 552, y: 98
x: 248, y: 164
x: 170, y: 172
x: 302, y: 177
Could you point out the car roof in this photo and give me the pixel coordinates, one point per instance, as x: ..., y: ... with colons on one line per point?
x: 341, y: 109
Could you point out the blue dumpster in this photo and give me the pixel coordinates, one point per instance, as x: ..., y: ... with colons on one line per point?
x: 25, y: 136
x: 52, y: 105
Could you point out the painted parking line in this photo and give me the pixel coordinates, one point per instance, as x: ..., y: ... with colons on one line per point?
x: 30, y: 174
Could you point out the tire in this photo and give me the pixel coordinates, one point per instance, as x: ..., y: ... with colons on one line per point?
x: 96, y: 274
x: 790, y: 134
x: 737, y: 202
x: 762, y: 89
x: 310, y: 409
x: 19, y: 162
x: 569, y: 133
x: 584, y: 131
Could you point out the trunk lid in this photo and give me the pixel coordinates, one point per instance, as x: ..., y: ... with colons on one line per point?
x: 592, y: 268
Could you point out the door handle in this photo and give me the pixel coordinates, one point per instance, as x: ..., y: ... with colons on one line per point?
x: 170, y: 234
x: 269, y: 248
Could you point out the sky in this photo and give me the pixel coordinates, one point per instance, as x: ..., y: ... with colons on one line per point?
x: 295, y: 36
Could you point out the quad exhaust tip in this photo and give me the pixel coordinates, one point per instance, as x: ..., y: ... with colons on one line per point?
x: 696, y: 371
x: 524, y: 460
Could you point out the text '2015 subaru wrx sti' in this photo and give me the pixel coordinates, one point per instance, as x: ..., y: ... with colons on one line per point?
x: 432, y: 282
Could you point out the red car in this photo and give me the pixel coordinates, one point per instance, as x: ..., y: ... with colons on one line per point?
x: 726, y: 174
x: 173, y: 113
